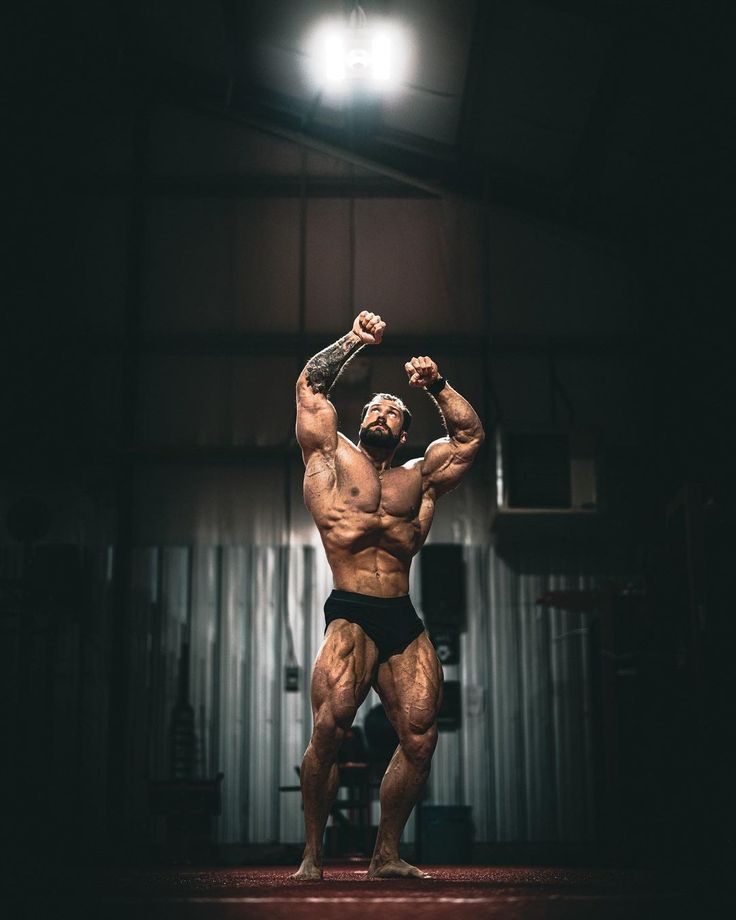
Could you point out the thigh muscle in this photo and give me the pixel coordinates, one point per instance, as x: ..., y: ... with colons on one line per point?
x: 410, y: 687
x: 343, y: 672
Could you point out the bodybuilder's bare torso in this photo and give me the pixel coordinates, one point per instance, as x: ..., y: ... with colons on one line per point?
x: 372, y: 524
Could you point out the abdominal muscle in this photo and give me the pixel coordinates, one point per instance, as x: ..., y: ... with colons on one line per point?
x: 370, y: 571
x: 373, y: 560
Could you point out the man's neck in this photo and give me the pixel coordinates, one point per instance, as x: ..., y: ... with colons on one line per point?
x: 381, y: 459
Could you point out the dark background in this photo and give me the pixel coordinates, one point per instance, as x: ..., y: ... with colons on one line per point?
x: 601, y: 129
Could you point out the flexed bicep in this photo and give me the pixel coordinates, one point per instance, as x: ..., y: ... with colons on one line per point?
x: 445, y: 463
x: 448, y: 459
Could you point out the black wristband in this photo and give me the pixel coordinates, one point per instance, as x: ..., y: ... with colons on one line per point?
x: 437, y: 386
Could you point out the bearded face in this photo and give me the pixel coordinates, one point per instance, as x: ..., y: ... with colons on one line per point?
x: 377, y: 434
x: 382, y: 425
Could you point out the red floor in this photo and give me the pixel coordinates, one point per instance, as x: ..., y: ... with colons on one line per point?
x: 345, y: 893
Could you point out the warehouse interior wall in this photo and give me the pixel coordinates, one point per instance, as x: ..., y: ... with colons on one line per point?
x: 185, y: 264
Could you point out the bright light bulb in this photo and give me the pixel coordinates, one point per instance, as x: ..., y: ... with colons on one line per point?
x: 382, y: 69
x: 359, y: 62
x: 362, y: 54
x: 333, y: 58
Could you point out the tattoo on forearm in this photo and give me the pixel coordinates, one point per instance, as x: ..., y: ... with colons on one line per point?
x: 324, y: 368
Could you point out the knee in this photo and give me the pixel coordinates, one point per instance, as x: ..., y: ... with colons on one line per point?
x: 330, y: 725
x: 419, y: 747
x: 327, y: 737
x: 422, y: 716
x: 419, y: 735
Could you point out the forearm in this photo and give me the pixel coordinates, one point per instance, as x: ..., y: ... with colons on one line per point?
x: 460, y: 418
x: 321, y: 371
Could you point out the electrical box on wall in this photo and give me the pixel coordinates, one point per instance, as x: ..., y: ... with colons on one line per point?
x: 546, y: 478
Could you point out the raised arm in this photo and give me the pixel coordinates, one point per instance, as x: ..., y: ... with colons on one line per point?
x: 316, y: 418
x: 448, y: 459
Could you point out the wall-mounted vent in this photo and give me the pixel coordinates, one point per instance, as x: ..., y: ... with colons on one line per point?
x: 546, y: 470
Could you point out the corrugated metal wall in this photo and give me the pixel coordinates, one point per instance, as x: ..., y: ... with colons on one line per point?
x: 522, y: 757
x: 526, y: 764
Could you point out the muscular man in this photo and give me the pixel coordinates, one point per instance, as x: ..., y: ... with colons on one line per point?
x: 373, y: 518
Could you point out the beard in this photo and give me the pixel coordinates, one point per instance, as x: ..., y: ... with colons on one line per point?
x: 373, y: 436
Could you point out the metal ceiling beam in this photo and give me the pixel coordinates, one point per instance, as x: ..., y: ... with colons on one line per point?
x: 470, y: 345
x: 435, y: 169
x: 256, y: 187
x: 287, y: 345
x: 438, y: 172
x: 304, y: 139
x: 243, y: 454
x: 290, y: 346
x: 440, y: 176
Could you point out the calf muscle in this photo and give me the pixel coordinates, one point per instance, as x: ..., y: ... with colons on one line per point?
x: 340, y: 682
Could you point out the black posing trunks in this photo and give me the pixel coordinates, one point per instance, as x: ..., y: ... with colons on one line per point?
x: 391, y: 622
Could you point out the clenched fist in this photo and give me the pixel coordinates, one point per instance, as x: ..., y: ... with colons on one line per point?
x: 370, y: 327
x: 421, y: 371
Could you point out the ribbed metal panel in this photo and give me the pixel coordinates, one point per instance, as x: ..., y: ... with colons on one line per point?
x: 522, y: 757
x: 205, y: 650
x: 231, y: 603
x: 233, y: 742
x: 526, y: 733
x: 263, y: 669
x: 300, y: 604
x: 475, y: 751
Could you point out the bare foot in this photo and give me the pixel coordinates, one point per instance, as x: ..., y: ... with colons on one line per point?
x: 395, y: 868
x: 307, y: 872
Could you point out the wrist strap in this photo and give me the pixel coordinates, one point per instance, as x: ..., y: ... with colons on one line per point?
x: 437, y: 386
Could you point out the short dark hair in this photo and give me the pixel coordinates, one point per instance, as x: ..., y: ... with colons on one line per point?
x: 406, y: 419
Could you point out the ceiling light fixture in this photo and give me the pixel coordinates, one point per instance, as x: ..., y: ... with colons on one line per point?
x: 358, y: 54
